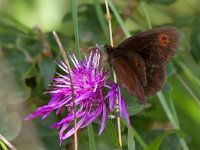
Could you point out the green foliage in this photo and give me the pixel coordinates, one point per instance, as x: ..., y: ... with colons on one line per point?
x: 91, y: 137
x: 195, y: 40
x: 162, y: 2
x: 27, y: 65
x: 131, y: 141
x: 157, y: 142
x: 3, y: 146
x: 113, y: 134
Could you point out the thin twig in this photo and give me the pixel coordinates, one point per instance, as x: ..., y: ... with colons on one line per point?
x: 115, y: 78
x: 46, y: 49
x: 3, y: 139
x: 109, y: 22
x: 72, y: 88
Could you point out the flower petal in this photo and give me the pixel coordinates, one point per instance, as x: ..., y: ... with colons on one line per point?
x: 125, y: 112
x: 93, y: 116
x: 103, y: 122
x: 71, y: 131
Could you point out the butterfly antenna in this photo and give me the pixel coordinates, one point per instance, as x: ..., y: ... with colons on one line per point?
x: 94, y: 47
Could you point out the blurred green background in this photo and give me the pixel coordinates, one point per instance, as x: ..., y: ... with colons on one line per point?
x: 28, y: 52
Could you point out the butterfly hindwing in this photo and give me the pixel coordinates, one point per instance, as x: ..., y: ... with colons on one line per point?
x: 151, y: 78
x: 155, y: 80
x: 136, y: 63
x: 128, y: 78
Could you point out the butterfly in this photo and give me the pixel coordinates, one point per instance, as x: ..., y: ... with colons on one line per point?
x: 139, y: 61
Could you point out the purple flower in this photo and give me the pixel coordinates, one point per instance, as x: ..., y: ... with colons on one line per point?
x: 92, y: 94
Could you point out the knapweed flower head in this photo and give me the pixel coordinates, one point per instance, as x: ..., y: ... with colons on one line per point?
x: 95, y: 96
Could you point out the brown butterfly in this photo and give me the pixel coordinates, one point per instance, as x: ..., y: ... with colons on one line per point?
x: 139, y: 61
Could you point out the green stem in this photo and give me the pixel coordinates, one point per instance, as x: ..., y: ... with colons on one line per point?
x: 75, y: 23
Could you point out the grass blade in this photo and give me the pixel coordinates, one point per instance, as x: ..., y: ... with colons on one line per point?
x: 119, y: 19
x: 75, y: 23
x: 112, y: 132
x: 102, y: 20
x: 91, y: 137
x: 188, y: 89
x: 131, y: 140
x: 136, y: 135
x: 189, y: 73
x: 171, y: 118
x: 3, y: 146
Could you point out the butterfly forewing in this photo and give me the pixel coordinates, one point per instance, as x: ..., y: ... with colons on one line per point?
x: 156, y: 46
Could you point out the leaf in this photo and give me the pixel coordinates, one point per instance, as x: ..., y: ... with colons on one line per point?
x: 133, y: 110
x: 12, y: 89
x: 139, y: 108
x: 47, y: 67
x: 157, y: 142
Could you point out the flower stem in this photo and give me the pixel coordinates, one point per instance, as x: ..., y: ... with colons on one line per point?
x: 75, y: 24
x: 72, y: 87
x: 114, y: 75
x: 109, y: 22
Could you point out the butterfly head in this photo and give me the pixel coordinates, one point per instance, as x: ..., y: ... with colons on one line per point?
x: 108, y: 49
